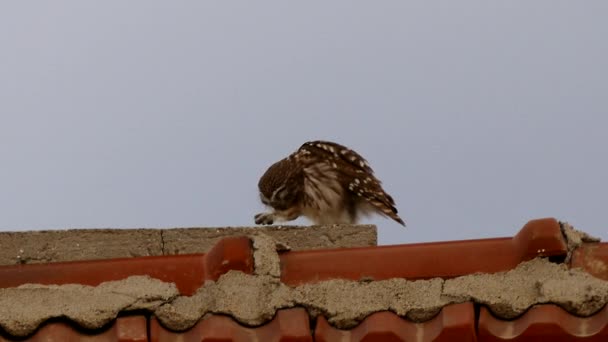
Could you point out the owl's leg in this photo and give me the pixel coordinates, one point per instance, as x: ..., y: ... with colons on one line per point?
x: 277, y: 216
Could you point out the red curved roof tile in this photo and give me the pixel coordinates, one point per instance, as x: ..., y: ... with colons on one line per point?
x: 455, y: 322
x: 125, y: 329
x: 593, y: 257
x: 544, y: 323
x: 541, y: 237
x: 188, y: 272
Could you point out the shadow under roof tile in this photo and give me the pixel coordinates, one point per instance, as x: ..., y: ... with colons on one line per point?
x: 289, y: 325
x: 542, y: 237
x: 544, y: 323
x: 124, y: 329
x: 455, y: 323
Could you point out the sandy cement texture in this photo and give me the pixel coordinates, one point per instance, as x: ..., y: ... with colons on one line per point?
x: 254, y: 299
x: 24, y: 308
x: 89, y: 244
x: 575, y: 238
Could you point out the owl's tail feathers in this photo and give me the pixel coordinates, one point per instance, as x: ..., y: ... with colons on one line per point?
x: 398, y: 219
x: 387, y: 210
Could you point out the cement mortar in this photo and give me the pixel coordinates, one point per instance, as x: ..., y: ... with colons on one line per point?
x: 575, y: 238
x: 265, y: 256
x: 345, y: 303
x: 24, y: 308
x: 510, y: 294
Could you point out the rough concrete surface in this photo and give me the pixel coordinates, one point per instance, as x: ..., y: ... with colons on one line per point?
x: 188, y: 240
x: 575, y: 238
x: 254, y: 299
x: 25, y: 307
x: 265, y: 256
x: 77, y: 244
x: 88, y: 244
x: 510, y: 294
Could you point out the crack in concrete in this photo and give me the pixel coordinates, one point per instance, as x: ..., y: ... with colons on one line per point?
x: 162, y: 242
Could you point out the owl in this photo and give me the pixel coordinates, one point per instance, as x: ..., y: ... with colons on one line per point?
x: 325, y: 182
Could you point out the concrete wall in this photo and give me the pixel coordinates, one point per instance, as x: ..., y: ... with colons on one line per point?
x: 88, y: 244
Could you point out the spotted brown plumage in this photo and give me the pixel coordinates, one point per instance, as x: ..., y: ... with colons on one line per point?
x: 325, y: 182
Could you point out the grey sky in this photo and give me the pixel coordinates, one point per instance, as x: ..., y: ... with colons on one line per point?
x: 476, y: 115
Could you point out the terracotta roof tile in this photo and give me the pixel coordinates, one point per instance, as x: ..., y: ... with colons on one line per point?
x: 593, y: 258
x: 541, y: 237
x: 124, y: 329
x: 546, y: 323
x: 455, y: 322
x: 188, y: 272
x: 290, y: 325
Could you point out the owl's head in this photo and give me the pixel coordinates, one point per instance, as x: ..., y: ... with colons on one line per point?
x: 279, y: 185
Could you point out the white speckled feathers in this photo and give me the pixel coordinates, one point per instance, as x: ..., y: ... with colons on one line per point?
x: 336, y: 169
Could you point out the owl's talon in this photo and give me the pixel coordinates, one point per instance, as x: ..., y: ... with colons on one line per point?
x: 264, y: 218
